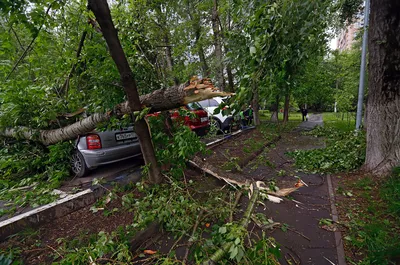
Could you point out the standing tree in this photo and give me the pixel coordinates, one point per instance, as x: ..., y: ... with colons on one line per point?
x: 383, y: 118
x: 102, y: 12
x: 219, y: 66
x: 277, y: 39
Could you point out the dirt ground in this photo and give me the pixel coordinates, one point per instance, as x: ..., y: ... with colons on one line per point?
x: 253, y: 155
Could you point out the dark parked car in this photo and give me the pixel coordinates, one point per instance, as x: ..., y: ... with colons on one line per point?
x: 101, y: 148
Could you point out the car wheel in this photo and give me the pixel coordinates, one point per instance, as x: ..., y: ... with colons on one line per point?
x: 215, y: 125
x: 78, y: 165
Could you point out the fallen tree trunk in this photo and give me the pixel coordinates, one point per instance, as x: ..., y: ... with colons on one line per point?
x: 159, y: 100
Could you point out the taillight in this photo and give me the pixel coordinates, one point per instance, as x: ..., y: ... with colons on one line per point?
x: 93, y: 141
x: 225, y: 108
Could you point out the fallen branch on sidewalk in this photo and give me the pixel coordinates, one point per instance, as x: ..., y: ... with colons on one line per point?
x: 245, y: 222
x: 205, y: 167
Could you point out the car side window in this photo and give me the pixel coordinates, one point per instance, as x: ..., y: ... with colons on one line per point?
x: 213, y: 103
x: 204, y: 103
x: 194, y: 106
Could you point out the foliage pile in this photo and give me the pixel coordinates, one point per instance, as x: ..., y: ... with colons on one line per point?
x: 344, y: 151
x: 29, y: 173
x: 177, y: 206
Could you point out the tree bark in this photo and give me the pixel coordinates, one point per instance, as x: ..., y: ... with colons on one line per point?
x: 255, y: 104
x: 200, y: 51
x: 275, y: 109
x: 286, y: 108
x: 159, y: 100
x: 170, y: 61
x: 199, y: 47
x: 231, y: 85
x: 102, y: 12
x: 383, y: 117
x: 219, y: 67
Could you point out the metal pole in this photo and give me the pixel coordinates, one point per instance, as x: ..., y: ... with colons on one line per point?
x: 362, y: 68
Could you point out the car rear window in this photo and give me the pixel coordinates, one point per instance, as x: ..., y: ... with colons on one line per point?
x: 194, y: 106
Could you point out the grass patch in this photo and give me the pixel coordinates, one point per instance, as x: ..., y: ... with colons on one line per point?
x: 340, y: 121
x: 265, y: 115
x: 373, y: 215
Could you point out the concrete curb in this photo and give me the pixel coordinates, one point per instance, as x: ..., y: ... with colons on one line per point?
x: 228, y: 136
x: 335, y: 218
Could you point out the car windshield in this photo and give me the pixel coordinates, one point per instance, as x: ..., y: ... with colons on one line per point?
x: 194, y: 106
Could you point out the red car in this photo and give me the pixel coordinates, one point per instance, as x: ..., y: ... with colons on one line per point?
x: 199, y: 123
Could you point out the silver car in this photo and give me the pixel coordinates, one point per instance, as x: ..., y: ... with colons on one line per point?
x: 101, y: 148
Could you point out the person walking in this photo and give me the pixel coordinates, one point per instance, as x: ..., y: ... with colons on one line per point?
x: 304, y: 113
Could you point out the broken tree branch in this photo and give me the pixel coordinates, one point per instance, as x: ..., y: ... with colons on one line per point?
x: 245, y: 222
x: 197, y: 163
x: 199, y: 217
x: 237, y: 199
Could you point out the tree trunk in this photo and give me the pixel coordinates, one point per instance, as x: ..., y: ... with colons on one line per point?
x: 102, y: 12
x: 231, y: 85
x: 383, y: 117
x: 275, y: 109
x: 159, y: 100
x: 255, y: 104
x: 170, y: 61
x: 199, y: 46
x: 219, y: 67
x: 364, y: 123
x: 286, y: 108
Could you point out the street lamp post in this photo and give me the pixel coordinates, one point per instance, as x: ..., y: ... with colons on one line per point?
x: 362, y: 68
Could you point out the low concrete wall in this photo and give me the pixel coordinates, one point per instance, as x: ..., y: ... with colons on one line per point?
x: 63, y: 207
x: 50, y: 211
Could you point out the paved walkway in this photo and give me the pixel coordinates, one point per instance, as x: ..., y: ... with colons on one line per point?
x: 305, y: 240
x: 313, y: 121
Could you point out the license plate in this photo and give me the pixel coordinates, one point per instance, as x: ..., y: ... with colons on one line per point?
x: 124, y: 136
x: 204, y: 119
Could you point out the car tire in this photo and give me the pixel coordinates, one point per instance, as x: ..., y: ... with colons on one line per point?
x: 78, y: 165
x: 216, y: 124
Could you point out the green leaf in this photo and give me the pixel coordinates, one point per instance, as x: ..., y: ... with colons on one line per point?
x: 233, y: 251
x: 237, y: 241
x: 222, y: 230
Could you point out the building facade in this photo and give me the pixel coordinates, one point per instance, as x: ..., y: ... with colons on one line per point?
x: 347, y: 35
